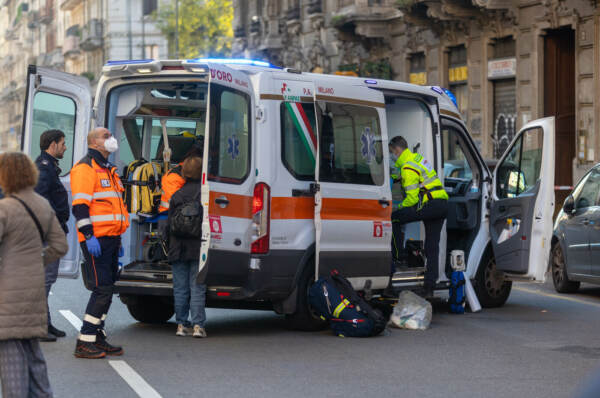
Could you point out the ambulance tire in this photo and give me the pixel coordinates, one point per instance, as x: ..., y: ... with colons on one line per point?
x: 305, y: 319
x: 150, y: 309
x: 491, y: 291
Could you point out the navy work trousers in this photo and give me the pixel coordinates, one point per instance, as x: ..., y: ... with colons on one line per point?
x: 101, y: 274
x: 433, y: 214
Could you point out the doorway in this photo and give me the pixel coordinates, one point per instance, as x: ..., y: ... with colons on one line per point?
x: 559, y: 101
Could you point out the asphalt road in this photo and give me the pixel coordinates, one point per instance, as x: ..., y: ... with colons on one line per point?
x: 540, y: 344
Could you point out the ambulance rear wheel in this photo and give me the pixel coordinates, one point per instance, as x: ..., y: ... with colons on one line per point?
x: 150, y: 309
x: 305, y: 319
x: 490, y: 286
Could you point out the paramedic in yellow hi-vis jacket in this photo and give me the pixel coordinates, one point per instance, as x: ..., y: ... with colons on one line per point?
x: 425, y: 200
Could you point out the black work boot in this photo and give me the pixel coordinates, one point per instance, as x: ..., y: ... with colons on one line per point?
x: 102, y: 344
x: 85, y: 349
x: 55, y: 331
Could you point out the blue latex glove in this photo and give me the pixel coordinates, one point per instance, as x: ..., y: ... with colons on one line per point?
x: 93, y: 246
x: 121, y: 251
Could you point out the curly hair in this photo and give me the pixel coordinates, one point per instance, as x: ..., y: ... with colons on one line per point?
x: 17, y: 172
x: 192, y: 168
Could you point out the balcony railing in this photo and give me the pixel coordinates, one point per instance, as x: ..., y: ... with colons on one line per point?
x: 91, y: 36
x: 71, y: 44
x: 315, y: 7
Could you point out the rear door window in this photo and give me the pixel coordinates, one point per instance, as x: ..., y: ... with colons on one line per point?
x: 229, y: 146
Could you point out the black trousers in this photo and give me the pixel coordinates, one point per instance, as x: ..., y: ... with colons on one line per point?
x: 101, y: 273
x: 433, y: 214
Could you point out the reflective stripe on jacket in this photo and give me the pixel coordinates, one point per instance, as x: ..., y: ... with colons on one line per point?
x: 101, y: 190
x: 170, y: 183
x: 419, y: 180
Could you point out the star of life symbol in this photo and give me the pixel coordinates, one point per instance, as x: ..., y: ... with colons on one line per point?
x: 367, y: 139
x: 233, y: 148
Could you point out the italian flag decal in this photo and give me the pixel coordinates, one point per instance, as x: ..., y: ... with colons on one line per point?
x: 303, y: 126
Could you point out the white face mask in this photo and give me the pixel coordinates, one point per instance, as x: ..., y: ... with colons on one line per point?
x: 111, y: 145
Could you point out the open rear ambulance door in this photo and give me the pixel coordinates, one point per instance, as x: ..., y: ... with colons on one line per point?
x: 58, y: 100
x: 523, y: 203
x: 353, y: 200
x: 227, y: 225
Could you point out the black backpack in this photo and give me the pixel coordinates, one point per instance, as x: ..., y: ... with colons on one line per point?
x: 349, y: 314
x: 186, y: 220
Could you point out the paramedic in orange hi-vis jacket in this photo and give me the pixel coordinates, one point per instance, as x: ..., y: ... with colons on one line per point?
x: 101, y: 220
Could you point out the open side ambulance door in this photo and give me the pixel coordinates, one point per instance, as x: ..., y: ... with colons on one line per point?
x: 227, y: 163
x: 58, y: 100
x: 353, y: 200
x: 523, y: 203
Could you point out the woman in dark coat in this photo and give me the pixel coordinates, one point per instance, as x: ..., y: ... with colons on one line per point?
x: 184, y: 256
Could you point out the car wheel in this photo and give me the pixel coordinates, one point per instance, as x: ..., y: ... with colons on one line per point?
x: 150, y: 309
x: 491, y: 287
x: 305, y: 319
x: 561, y: 281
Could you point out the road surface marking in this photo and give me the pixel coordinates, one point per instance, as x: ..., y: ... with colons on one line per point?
x: 135, y: 381
x: 557, y: 296
x: 72, y: 318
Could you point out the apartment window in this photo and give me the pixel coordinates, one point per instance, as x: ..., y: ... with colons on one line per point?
x: 418, y: 73
x: 458, y: 74
x: 150, y: 6
x: 152, y: 51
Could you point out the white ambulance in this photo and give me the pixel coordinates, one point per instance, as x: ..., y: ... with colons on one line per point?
x: 296, y: 179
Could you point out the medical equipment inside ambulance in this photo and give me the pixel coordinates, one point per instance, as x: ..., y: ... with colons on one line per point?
x: 157, y: 125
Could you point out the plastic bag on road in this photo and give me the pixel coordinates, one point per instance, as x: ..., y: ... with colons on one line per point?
x: 411, y: 312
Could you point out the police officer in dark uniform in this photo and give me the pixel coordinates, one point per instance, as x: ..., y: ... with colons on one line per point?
x: 52, y: 145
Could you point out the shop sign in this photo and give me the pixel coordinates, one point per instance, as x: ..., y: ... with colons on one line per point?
x: 458, y: 74
x: 419, y: 78
x: 502, y: 68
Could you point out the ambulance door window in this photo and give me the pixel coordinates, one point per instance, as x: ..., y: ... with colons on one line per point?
x: 351, y: 147
x: 298, y: 140
x: 229, y: 146
x: 50, y: 112
x: 181, y: 135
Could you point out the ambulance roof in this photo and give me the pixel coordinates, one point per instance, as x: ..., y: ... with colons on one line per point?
x: 144, y: 67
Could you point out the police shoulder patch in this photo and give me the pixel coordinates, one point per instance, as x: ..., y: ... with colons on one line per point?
x: 45, y: 162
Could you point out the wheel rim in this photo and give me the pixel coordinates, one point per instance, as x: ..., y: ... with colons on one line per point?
x: 558, y: 265
x: 494, y: 280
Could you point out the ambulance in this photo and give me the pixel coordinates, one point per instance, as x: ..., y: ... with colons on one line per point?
x: 296, y: 179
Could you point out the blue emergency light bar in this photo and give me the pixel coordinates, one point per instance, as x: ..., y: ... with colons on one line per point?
x: 129, y: 61
x: 234, y: 61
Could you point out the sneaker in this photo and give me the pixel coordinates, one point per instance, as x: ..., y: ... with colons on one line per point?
x: 55, y: 331
x: 103, y: 345
x: 50, y: 337
x: 181, y: 330
x: 199, y: 332
x: 85, y: 349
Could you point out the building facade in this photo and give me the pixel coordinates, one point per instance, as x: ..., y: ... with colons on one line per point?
x: 506, y: 61
x: 76, y: 36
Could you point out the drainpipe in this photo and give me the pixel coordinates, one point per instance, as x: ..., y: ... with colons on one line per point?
x: 176, y: 29
x: 129, y: 32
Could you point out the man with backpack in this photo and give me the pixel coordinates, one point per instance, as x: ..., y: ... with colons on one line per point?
x: 184, y: 228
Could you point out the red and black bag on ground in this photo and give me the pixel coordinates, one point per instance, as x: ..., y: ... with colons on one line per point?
x: 349, y: 315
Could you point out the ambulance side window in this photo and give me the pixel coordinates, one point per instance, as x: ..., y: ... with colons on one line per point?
x: 50, y: 112
x: 298, y: 139
x: 351, y: 147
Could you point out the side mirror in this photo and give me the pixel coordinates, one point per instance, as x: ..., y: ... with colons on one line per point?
x: 569, y: 205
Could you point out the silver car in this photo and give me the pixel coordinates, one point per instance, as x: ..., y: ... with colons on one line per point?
x: 576, y: 241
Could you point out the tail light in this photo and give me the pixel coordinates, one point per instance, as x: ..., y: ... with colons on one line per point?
x: 260, y: 218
